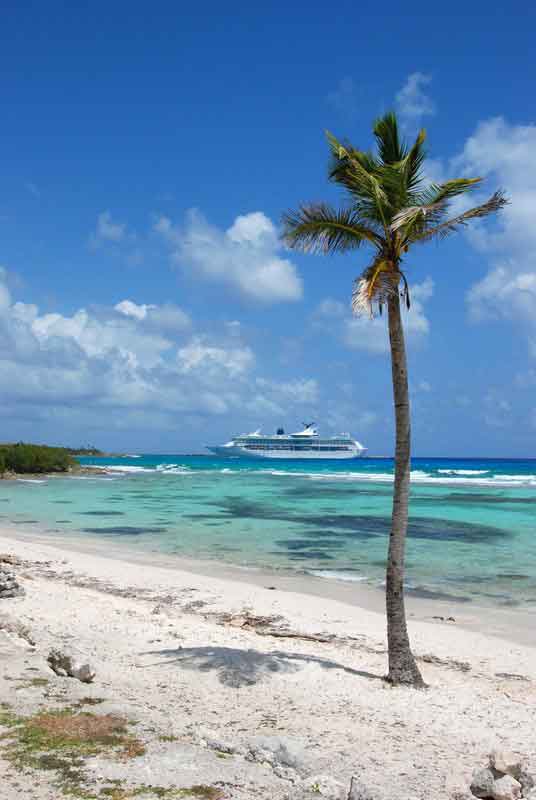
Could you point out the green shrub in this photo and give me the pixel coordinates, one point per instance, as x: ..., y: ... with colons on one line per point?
x: 34, y: 458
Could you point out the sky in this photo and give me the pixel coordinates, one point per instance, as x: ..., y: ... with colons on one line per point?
x: 148, y: 153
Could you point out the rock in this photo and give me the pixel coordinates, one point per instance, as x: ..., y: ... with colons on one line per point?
x: 509, y: 763
x: 279, y: 751
x: 325, y: 786
x: 70, y: 666
x: 9, y: 586
x: 504, y: 761
x: 212, y: 742
x: 506, y: 788
x: 358, y: 791
x: 525, y: 778
x: 482, y: 783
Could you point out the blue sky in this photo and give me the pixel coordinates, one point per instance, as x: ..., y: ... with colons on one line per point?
x: 148, y: 152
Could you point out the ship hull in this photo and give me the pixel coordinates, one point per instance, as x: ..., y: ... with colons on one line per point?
x: 286, y: 455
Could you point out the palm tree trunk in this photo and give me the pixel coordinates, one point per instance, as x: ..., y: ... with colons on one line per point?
x: 402, y: 666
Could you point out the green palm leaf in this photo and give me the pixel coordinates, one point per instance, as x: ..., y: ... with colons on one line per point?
x: 321, y: 228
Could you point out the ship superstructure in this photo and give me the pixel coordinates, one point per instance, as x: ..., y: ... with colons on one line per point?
x: 306, y: 443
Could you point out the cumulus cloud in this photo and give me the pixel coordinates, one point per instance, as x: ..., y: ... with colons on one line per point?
x: 209, y: 360
x: 412, y: 101
x: 303, y: 391
x: 247, y: 256
x: 371, y: 335
x: 141, y: 359
x: 506, y: 154
x: 166, y: 316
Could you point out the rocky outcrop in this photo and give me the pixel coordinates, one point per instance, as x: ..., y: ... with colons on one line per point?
x: 9, y: 586
x: 507, y: 777
x: 70, y: 665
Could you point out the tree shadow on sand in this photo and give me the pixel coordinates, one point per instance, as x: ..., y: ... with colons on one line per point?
x: 236, y: 668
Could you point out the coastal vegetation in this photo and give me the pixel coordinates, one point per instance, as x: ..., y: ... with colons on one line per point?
x: 89, y: 450
x: 59, y: 741
x: 34, y: 458
x: 390, y: 208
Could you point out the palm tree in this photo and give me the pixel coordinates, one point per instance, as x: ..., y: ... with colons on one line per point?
x: 390, y: 208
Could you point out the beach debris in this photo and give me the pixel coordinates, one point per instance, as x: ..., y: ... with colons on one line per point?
x: 512, y: 676
x: 212, y: 742
x: 358, y: 791
x: 15, y: 628
x: 430, y: 658
x: 279, y: 752
x: 9, y: 586
x: 70, y: 666
x: 9, y: 558
x: 507, y: 777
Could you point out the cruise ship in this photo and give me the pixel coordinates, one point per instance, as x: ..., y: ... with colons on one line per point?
x: 303, y: 444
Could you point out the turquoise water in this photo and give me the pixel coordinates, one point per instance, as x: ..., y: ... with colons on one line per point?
x: 472, y: 532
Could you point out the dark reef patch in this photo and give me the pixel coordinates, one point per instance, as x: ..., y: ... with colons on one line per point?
x: 313, y: 490
x: 512, y: 576
x: 307, y: 544
x: 429, y: 594
x: 303, y: 555
x: 359, y: 525
x: 102, y: 513
x: 471, y: 498
x: 125, y: 530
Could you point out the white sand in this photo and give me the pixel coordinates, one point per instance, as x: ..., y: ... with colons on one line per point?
x: 165, y: 659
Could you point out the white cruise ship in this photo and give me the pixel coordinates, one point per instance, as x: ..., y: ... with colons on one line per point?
x: 303, y: 444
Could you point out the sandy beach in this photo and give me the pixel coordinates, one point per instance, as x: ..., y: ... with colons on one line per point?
x: 244, y: 685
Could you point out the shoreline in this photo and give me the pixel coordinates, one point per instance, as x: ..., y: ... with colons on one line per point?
x: 253, y: 691
x: 513, y: 624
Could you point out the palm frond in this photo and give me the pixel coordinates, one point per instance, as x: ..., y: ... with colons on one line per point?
x: 375, y: 285
x: 437, y: 192
x: 495, y: 203
x: 342, y: 151
x: 417, y: 218
x: 401, y: 179
x: 359, y: 172
x: 412, y: 164
x: 390, y: 148
x: 322, y: 229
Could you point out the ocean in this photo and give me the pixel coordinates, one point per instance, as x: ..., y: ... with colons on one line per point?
x: 472, y: 534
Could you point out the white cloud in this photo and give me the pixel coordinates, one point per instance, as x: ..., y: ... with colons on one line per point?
x: 506, y: 154
x: 139, y: 359
x: 130, y: 309
x: 246, y: 256
x: 165, y: 317
x: 412, y: 102
x: 207, y: 360
x: 297, y: 392
x: 371, y: 335
x: 504, y: 292
x: 107, y: 230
